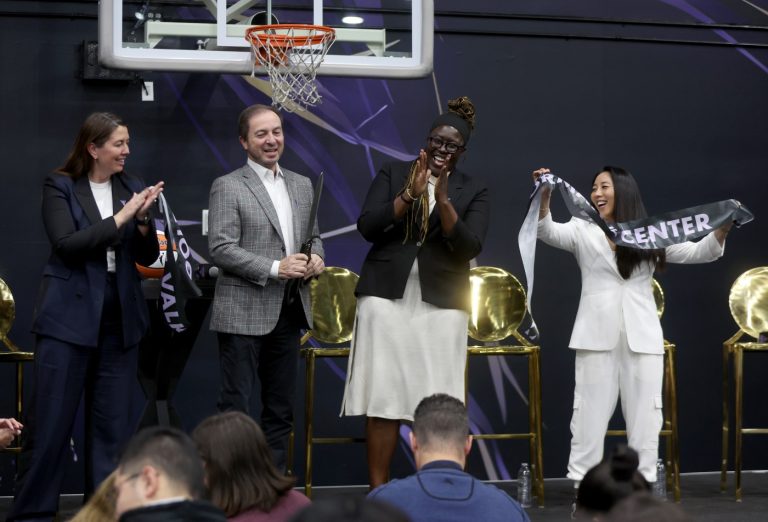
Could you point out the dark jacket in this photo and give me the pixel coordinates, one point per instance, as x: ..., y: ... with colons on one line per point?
x: 443, y: 260
x: 71, y: 295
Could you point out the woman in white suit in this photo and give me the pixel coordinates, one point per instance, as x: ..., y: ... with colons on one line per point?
x: 617, y: 335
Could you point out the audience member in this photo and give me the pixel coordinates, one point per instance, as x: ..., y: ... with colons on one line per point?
x: 101, y: 506
x: 160, y: 477
x: 613, y: 479
x: 441, y: 491
x: 644, y: 507
x: 9, y: 429
x: 241, y: 477
x: 350, y: 509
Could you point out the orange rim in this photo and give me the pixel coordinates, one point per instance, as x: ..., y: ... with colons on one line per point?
x: 320, y: 33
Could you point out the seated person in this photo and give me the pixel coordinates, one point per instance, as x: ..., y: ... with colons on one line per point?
x: 9, y: 429
x: 241, y: 477
x: 642, y: 506
x: 160, y: 477
x: 350, y: 509
x: 101, y: 506
x: 441, y: 491
x: 613, y: 479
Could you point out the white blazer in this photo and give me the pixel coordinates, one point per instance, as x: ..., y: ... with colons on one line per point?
x: 607, y: 299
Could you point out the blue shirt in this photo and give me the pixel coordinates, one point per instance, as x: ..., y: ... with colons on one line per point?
x: 441, y: 492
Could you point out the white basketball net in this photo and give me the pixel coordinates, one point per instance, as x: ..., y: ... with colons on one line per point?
x: 291, y: 56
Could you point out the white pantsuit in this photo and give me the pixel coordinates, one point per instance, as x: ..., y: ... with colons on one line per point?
x: 618, y: 341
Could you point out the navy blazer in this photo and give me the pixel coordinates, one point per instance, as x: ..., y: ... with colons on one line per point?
x: 443, y: 260
x: 71, y: 295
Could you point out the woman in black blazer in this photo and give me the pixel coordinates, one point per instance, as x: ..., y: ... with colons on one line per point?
x: 426, y: 220
x: 90, y: 312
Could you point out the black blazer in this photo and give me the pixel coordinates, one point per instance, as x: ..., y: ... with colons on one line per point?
x: 443, y: 260
x: 71, y: 295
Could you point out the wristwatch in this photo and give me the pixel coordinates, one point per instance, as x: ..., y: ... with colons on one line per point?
x: 142, y: 221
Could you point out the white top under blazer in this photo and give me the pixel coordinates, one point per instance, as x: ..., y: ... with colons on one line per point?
x: 607, y: 299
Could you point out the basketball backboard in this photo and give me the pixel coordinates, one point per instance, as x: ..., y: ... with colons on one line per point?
x: 391, y: 39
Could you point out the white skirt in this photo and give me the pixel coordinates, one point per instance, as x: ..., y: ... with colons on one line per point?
x: 402, y: 351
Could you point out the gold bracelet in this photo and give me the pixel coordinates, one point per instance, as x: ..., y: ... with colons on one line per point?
x: 408, y: 193
x: 402, y: 196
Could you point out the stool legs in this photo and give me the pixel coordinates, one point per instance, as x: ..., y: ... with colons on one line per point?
x: 309, y: 411
x: 726, y: 420
x: 534, y: 416
x: 738, y: 363
x: 673, y: 449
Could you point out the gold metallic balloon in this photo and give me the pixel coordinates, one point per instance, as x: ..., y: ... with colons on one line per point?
x: 658, y: 297
x: 7, y: 315
x: 333, y: 305
x: 748, y: 301
x: 498, y: 304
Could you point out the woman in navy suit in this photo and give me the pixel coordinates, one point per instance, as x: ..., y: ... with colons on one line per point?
x: 90, y: 313
x: 617, y: 335
x: 426, y: 219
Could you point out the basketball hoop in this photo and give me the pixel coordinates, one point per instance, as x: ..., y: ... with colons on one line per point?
x: 291, y: 54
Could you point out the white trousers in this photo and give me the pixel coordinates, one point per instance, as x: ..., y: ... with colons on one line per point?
x: 601, y: 377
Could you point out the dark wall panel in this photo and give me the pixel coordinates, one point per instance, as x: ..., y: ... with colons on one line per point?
x: 689, y: 121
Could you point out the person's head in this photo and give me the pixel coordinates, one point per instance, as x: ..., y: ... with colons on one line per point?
x: 616, y: 197
x: 643, y: 507
x: 100, y: 148
x: 349, y: 509
x: 238, y: 464
x: 449, y: 134
x: 440, y: 430
x: 613, y: 479
x: 158, y: 463
x: 261, y: 134
x: 101, y: 506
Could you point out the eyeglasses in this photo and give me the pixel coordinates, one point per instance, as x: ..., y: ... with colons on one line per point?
x: 450, y: 147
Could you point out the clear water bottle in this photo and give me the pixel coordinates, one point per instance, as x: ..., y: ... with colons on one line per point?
x: 660, y: 486
x: 524, y: 485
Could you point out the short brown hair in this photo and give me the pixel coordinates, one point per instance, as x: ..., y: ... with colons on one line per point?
x: 238, y: 464
x: 244, y: 121
x: 440, y: 419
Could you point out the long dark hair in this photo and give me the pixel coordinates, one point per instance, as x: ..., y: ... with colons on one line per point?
x: 238, y: 464
x: 96, y: 129
x: 628, y: 205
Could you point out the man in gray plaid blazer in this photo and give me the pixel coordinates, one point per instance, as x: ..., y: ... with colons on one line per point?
x: 257, y: 218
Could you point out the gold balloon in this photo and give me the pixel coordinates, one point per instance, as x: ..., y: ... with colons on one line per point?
x: 497, y: 303
x: 333, y: 305
x: 658, y: 297
x: 748, y: 301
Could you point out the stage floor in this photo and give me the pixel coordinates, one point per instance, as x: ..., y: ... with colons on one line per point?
x: 701, y: 498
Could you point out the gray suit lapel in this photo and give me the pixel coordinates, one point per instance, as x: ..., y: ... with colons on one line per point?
x: 254, y: 184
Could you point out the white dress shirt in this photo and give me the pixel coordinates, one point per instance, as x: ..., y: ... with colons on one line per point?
x: 281, y: 200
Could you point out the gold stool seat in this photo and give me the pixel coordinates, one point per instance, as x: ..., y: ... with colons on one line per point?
x: 14, y: 356
x: 748, y: 302
x: 669, y: 426
x: 498, y: 309
x: 333, y: 318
